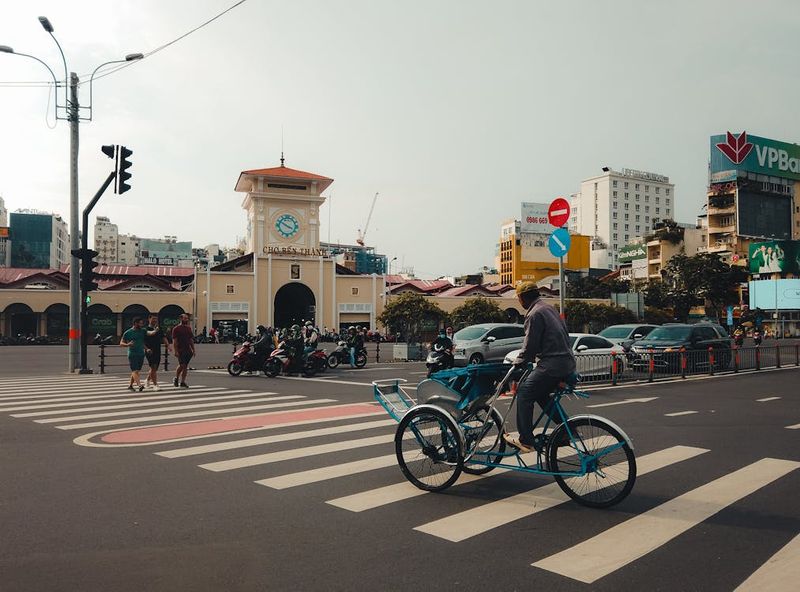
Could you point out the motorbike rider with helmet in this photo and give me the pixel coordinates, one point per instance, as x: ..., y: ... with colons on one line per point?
x: 355, y: 342
x: 444, y: 343
x: 262, y: 346
x: 294, y: 343
x: 311, y: 338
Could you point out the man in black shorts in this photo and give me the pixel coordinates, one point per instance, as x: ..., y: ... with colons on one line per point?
x: 183, y: 345
x: 153, y: 341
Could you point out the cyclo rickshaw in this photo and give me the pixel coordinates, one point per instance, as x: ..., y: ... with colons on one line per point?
x: 455, y: 425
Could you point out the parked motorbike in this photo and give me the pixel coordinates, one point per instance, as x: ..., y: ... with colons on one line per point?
x: 281, y: 361
x: 438, y: 359
x: 341, y: 355
x: 246, y: 360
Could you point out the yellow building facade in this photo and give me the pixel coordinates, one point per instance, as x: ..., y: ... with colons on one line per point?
x: 526, y: 257
x: 286, y: 278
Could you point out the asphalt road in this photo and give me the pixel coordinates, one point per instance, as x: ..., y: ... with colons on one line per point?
x: 251, y: 483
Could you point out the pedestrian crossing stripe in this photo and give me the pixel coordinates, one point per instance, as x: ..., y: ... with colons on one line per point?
x: 777, y: 572
x: 470, y: 523
x: 133, y: 400
x: 624, y: 543
x: 99, y: 394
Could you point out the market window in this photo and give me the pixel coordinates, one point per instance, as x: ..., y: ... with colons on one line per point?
x: 230, y: 289
x: 354, y: 291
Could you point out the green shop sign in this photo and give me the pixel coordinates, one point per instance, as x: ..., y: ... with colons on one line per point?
x: 630, y: 252
x: 754, y: 154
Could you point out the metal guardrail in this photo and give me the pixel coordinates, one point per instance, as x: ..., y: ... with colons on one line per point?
x: 106, y: 356
x: 655, y: 365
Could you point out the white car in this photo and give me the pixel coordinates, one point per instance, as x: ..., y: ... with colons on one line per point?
x: 592, y: 354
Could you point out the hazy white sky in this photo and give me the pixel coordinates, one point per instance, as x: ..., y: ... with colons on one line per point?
x: 455, y: 111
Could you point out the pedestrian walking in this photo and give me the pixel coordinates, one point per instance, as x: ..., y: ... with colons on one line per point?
x: 133, y: 339
x: 153, y: 341
x: 183, y: 346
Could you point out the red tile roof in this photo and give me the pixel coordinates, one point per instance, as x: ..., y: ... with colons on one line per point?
x: 424, y: 286
x: 466, y: 290
x: 286, y: 173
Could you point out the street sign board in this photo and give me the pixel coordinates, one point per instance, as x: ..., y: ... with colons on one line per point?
x: 558, y: 212
x: 534, y: 218
x: 559, y: 242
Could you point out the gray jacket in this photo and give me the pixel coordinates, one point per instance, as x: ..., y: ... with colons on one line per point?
x: 546, y: 338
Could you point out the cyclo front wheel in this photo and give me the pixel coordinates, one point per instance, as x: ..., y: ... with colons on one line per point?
x: 488, y: 425
x: 429, y: 449
x: 611, y: 470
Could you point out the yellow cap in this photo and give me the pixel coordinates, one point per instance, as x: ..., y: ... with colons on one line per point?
x: 523, y: 287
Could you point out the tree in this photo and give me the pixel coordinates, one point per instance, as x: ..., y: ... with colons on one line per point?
x: 656, y: 316
x: 582, y: 316
x: 409, y: 314
x: 656, y: 295
x: 587, y: 287
x: 476, y: 310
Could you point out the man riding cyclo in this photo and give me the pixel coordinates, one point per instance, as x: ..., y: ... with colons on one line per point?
x: 547, y: 343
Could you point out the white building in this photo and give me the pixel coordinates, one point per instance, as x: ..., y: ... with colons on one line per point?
x: 106, y: 238
x: 617, y: 206
x: 128, y: 249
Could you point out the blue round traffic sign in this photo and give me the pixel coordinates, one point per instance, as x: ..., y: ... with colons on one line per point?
x: 559, y: 242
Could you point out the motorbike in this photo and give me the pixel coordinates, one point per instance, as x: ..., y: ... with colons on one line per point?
x: 341, y: 355
x: 245, y: 360
x: 320, y: 360
x: 438, y: 359
x: 280, y: 361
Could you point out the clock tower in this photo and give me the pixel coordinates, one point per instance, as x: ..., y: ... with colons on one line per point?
x: 282, y: 207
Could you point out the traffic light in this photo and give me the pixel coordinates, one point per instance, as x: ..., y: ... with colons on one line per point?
x: 88, y: 277
x: 123, y: 164
x: 109, y: 150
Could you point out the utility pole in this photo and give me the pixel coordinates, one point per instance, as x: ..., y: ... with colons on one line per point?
x: 74, y: 278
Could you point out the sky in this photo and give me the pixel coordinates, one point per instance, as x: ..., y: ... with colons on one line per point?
x: 454, y: 111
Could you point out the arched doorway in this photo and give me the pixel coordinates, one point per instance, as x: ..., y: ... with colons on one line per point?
x: 57, y: 320
x: 131, y: 312
x: 168, y: 317
x: 102, y: 321
x: 20, y: 320
x: 294, y: 304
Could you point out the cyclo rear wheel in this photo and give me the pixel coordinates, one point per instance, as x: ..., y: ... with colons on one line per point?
x: 610, y: 477
x: 429, y: 449
x: 491, y: 441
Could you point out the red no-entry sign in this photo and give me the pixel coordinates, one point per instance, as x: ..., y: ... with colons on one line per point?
x: 558, y: 212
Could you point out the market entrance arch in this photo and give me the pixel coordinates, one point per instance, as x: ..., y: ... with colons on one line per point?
x: 294, y: 304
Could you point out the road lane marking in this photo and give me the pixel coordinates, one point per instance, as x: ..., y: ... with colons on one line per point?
x: 129, y: 400
x: 679, y: 413
x: 182, y: 431
x: 470, y: 523
x: 766, y: 399
x: 92, y: 424
x: 76, y: 394
x: 777, y: 572
x: 272, y: 457
x: 325, y: 380
x: 329, y: 472
x: 233, y: 445
x: 624, y: 543
x: 625, y: 402
x: 170, y: 406
x: 793, y: 427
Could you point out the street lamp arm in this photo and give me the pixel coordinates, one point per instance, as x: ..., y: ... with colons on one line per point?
x: 6, y: 49
x: 63, y: 59
x: 128, y: 58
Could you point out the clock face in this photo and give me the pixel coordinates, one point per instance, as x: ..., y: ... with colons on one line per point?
x: 287, y: 225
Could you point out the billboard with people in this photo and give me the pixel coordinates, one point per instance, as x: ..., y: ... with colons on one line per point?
x: 774, y: 257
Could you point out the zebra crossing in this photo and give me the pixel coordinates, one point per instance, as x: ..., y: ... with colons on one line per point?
x: 260, y: 434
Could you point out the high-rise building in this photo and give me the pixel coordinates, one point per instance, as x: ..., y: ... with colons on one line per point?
x: 106, y: 238
x: 38, y: 240
x: 617, y: 206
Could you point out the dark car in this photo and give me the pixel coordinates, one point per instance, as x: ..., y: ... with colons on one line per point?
x: 667, y: 341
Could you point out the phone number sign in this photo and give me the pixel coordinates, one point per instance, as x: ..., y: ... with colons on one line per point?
x: 534, y: 218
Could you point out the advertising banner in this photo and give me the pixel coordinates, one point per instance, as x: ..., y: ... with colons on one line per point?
x: 774, y: 257
x: 534, y: 218
x: 757, y: 155
x: 631, y: 252
x: 534, y: 248
x: 775, y: 294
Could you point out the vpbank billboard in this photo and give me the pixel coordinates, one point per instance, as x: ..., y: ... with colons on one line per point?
x: 754, y: 154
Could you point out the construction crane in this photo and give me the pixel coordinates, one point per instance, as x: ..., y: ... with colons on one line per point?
x: 362, y: 236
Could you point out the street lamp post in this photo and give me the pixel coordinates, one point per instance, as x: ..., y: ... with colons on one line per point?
x: 72, y: 113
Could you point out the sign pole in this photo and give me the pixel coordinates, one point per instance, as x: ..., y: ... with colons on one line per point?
x: 562, y: 288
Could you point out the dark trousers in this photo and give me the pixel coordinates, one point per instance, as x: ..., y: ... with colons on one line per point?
x: 535, y: 388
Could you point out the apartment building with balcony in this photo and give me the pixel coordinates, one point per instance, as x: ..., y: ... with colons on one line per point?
x: 670, y: 239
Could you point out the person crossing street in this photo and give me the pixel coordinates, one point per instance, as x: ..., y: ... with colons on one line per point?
x: 153, y: 341
x: 183, y: 346
x: 133, y: 339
